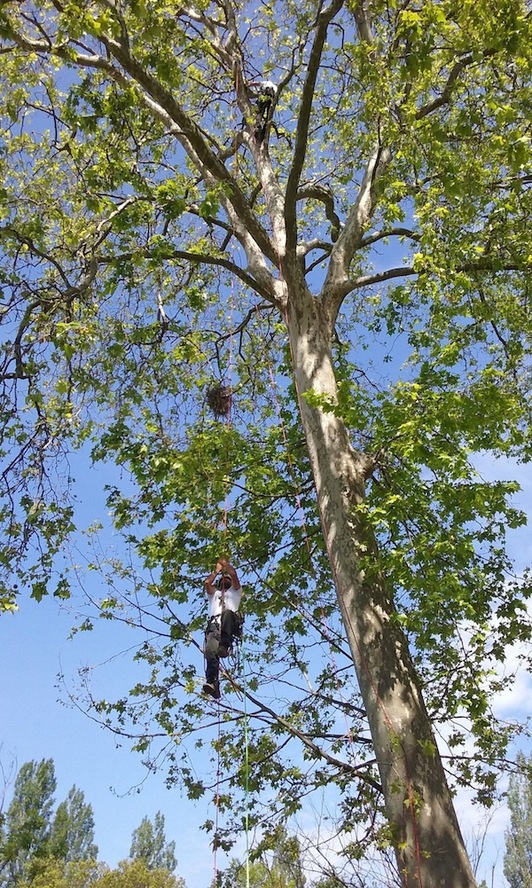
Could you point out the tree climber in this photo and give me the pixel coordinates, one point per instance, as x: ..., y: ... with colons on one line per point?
x: 267, y: 91
x: 225, y: 622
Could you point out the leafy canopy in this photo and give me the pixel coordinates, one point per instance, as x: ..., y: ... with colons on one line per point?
x: 141, y: 261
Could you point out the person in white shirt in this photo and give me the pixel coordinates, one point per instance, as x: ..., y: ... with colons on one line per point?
x: 225, y: 594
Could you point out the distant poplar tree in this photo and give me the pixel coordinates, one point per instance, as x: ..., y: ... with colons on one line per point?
x: 72, y: 832
x: 26, y: 829
x: 31, y: 831
x: 148, y: 843
x: 518, y: 857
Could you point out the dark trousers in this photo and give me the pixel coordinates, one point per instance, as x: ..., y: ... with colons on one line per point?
x: 219, y: 633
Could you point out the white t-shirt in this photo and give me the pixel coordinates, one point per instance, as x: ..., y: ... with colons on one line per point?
x: 228, y: 599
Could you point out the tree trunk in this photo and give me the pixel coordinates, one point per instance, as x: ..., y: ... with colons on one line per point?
x: 423, y: 826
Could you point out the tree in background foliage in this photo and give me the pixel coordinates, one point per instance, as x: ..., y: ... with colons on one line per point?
x: 148, y: 843
x: 89, y: 874
x: 137, y: 874
x: 32, y: 832
x: 27, y: 826
x: 72, y: 830
x: 281, y: 868
x: 43, y: 849
x: 518, y: 856
x: 354, y: 281
x: 50, y: 872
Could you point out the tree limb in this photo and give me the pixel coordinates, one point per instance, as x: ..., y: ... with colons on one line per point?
x: 317, y: 751
x: 300, y: 148
x: 315, y: 191
x: 336, y: 284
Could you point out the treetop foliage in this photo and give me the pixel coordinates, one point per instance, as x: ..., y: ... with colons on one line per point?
x: 31, y: 831
x: 518, y: 856
x: 43, y: 848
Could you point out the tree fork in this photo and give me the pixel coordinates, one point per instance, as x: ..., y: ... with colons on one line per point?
x: 424, y: 829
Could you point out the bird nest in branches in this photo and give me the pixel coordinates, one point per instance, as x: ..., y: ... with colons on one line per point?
x: 219, y: 399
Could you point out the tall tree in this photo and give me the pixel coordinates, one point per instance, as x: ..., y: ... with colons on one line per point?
x: 137, y: 874
x: 32, y: 832
x: 89, y: 874
x: 51, y: 872
x: 72, y: 829
x: 26, y: 832
x: 518, y: 856
x: 282, y: 868
x: 148, y: 843
x: 162, y: 251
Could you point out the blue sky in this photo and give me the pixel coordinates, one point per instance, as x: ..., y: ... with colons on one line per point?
x: 38, y: 722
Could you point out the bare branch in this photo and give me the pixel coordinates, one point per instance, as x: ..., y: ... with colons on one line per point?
x: 389, y: 232
x: 367, y: 280
x: 198, y: 258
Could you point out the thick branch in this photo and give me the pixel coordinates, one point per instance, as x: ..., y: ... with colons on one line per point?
x: 366, y: 280
x: 389, y: 232
x: 487, y: 264
x: 314, y: 191
x: 445, y: 95
x: 303, y: 121
x: 316, y: 750
x: 198, y: 258
x: 336, y: 284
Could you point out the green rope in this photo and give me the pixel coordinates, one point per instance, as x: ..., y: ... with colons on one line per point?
x: 246, y: 761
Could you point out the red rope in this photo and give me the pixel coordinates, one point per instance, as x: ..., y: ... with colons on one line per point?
x: 217, y: 803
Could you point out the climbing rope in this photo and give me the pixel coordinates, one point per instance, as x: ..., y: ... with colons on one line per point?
x: 246, y: 763
x: 226, y: 393
x: 217, y: 803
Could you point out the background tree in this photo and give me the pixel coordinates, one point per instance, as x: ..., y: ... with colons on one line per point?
x: 51, y: 872
x: 518, y: 856
x: 26, y: 831
x: 33, y: 833
x: 84, y: 873
x: 72, y: 830
x: 136, y: 874
x: 56, y: 850
x: 149, y: 844
x: 357, y: 279
x: 282, y: 867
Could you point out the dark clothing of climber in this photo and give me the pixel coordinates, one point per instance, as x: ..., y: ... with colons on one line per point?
x: 267, y: 91
x: 224, y: 623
